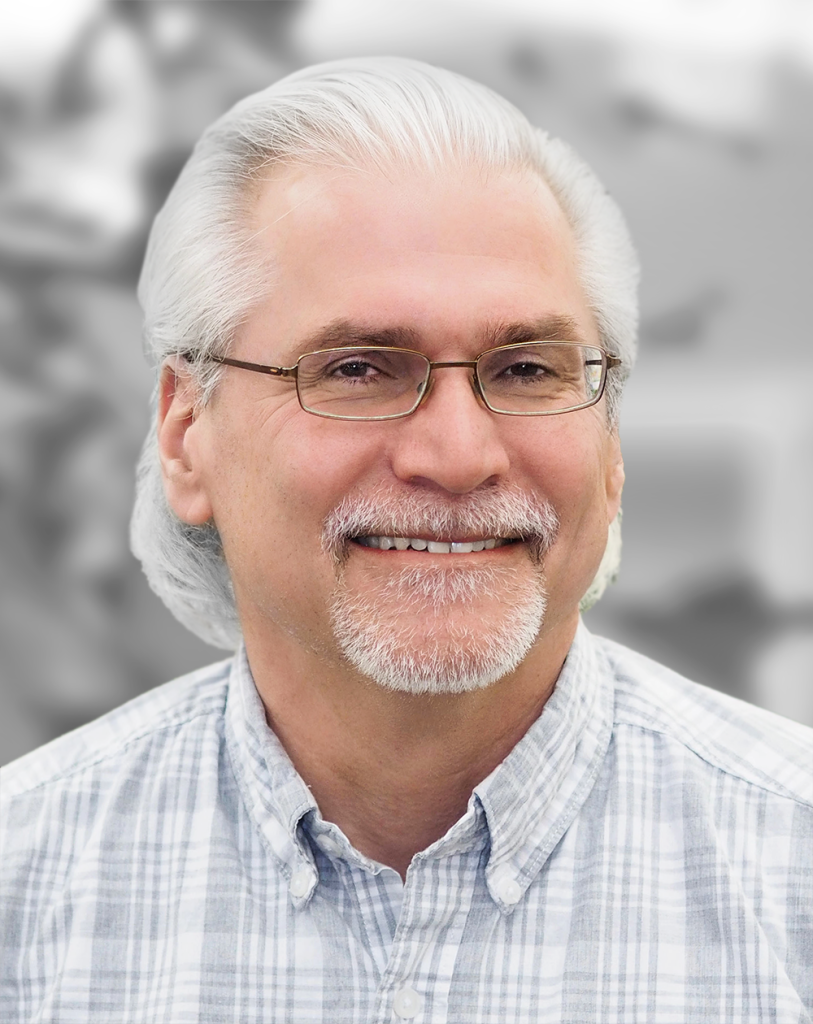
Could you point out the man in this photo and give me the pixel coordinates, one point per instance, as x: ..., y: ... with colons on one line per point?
x: 392, y: 322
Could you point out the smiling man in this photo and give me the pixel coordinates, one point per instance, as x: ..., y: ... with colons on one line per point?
x: 392, y: 321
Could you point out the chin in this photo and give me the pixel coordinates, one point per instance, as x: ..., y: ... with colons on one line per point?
x: 440, y: 630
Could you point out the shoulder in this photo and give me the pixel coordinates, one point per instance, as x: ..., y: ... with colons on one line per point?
x: 104, y: 745
x: 731, y: 736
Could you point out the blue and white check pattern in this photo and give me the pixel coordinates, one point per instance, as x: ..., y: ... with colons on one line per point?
x: 645, y: 854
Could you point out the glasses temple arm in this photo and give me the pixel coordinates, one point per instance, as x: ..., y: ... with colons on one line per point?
x: 271, y: 371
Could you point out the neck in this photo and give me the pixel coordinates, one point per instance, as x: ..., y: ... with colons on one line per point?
x: 373, y: 757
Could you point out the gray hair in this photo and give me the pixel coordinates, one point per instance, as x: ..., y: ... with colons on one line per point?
x: 203, y: 272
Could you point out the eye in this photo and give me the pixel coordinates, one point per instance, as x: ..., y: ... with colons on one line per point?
x: 526, y: 368
x: 356, y: 368
x: 353, y: 368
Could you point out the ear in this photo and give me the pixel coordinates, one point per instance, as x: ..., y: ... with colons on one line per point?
x: 181, y: 457
x: 614, y: 479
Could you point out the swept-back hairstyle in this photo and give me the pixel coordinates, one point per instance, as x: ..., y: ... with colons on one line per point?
x: 203, y: 271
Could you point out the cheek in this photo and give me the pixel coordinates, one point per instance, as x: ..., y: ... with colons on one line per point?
x: 274, y: 493
x: 569, y: 471
x: 313, y: 467
x: 568, y: 467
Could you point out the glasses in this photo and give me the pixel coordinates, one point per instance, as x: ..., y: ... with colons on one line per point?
x: 534, y: 378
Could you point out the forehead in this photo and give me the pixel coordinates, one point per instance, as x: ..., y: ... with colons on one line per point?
x: 451, y: 255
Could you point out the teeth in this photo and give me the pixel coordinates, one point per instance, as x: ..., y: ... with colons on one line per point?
x: 438, y: 547
x: 435, y: 547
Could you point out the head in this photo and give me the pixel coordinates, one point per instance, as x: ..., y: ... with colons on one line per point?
x: 344, y: 132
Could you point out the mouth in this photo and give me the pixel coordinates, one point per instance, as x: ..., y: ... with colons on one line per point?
x: 433, y: 547
x: 484, y: 526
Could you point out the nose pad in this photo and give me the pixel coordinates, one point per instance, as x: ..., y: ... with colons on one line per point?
x: 424, y: 389
x: 478, y: 389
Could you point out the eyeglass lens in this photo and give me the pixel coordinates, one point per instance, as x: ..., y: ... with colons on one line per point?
x: 530, y: 379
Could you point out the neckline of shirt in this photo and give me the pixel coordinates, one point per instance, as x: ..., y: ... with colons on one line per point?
x: 522, y: 808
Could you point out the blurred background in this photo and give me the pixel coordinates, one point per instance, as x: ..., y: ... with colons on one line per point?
x: 698, y: 116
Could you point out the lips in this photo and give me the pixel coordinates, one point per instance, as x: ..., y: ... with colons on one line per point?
x: 433, y: 547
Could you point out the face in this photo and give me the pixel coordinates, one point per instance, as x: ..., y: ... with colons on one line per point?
x: 449, y: 264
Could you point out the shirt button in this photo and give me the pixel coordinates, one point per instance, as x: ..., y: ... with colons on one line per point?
x: 509, y: 890
x: 300, y: 882
x: 328, y: 844
x: 407, y: 1003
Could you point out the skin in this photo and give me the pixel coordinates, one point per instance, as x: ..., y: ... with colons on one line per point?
x: 449, y: 257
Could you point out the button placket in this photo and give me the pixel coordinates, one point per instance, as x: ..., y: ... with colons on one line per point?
x: 413, y: 986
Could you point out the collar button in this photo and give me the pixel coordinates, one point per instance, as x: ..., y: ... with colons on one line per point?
x: 328, y: 845
x: 301, y: 883
x: 509, y: 890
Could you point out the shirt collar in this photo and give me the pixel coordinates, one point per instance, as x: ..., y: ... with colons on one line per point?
x: 532, y: 797
x: 526, y: 803
x: 275, y: 794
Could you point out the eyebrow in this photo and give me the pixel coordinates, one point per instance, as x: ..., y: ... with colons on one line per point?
x: 548, y: 328
x: 346, y: 334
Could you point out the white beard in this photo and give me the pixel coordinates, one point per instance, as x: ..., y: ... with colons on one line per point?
x: 441, y: 628
x: 404, y: 639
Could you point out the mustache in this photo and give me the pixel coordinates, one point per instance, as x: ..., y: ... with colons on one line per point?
x: 492, y: 512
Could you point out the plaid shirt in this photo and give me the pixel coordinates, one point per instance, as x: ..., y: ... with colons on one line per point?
x: 643, y: 854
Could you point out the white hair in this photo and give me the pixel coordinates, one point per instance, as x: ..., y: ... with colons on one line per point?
x: 203, y: 273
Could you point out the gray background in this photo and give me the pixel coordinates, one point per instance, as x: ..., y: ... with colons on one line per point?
x: 698, y: 119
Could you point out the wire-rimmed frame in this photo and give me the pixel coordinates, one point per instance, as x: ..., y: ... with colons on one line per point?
x: 606, y: 361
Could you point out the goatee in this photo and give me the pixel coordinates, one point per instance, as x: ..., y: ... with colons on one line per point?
x: 439, y: 628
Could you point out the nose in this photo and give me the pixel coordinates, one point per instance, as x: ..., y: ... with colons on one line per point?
x: 452, y: 441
